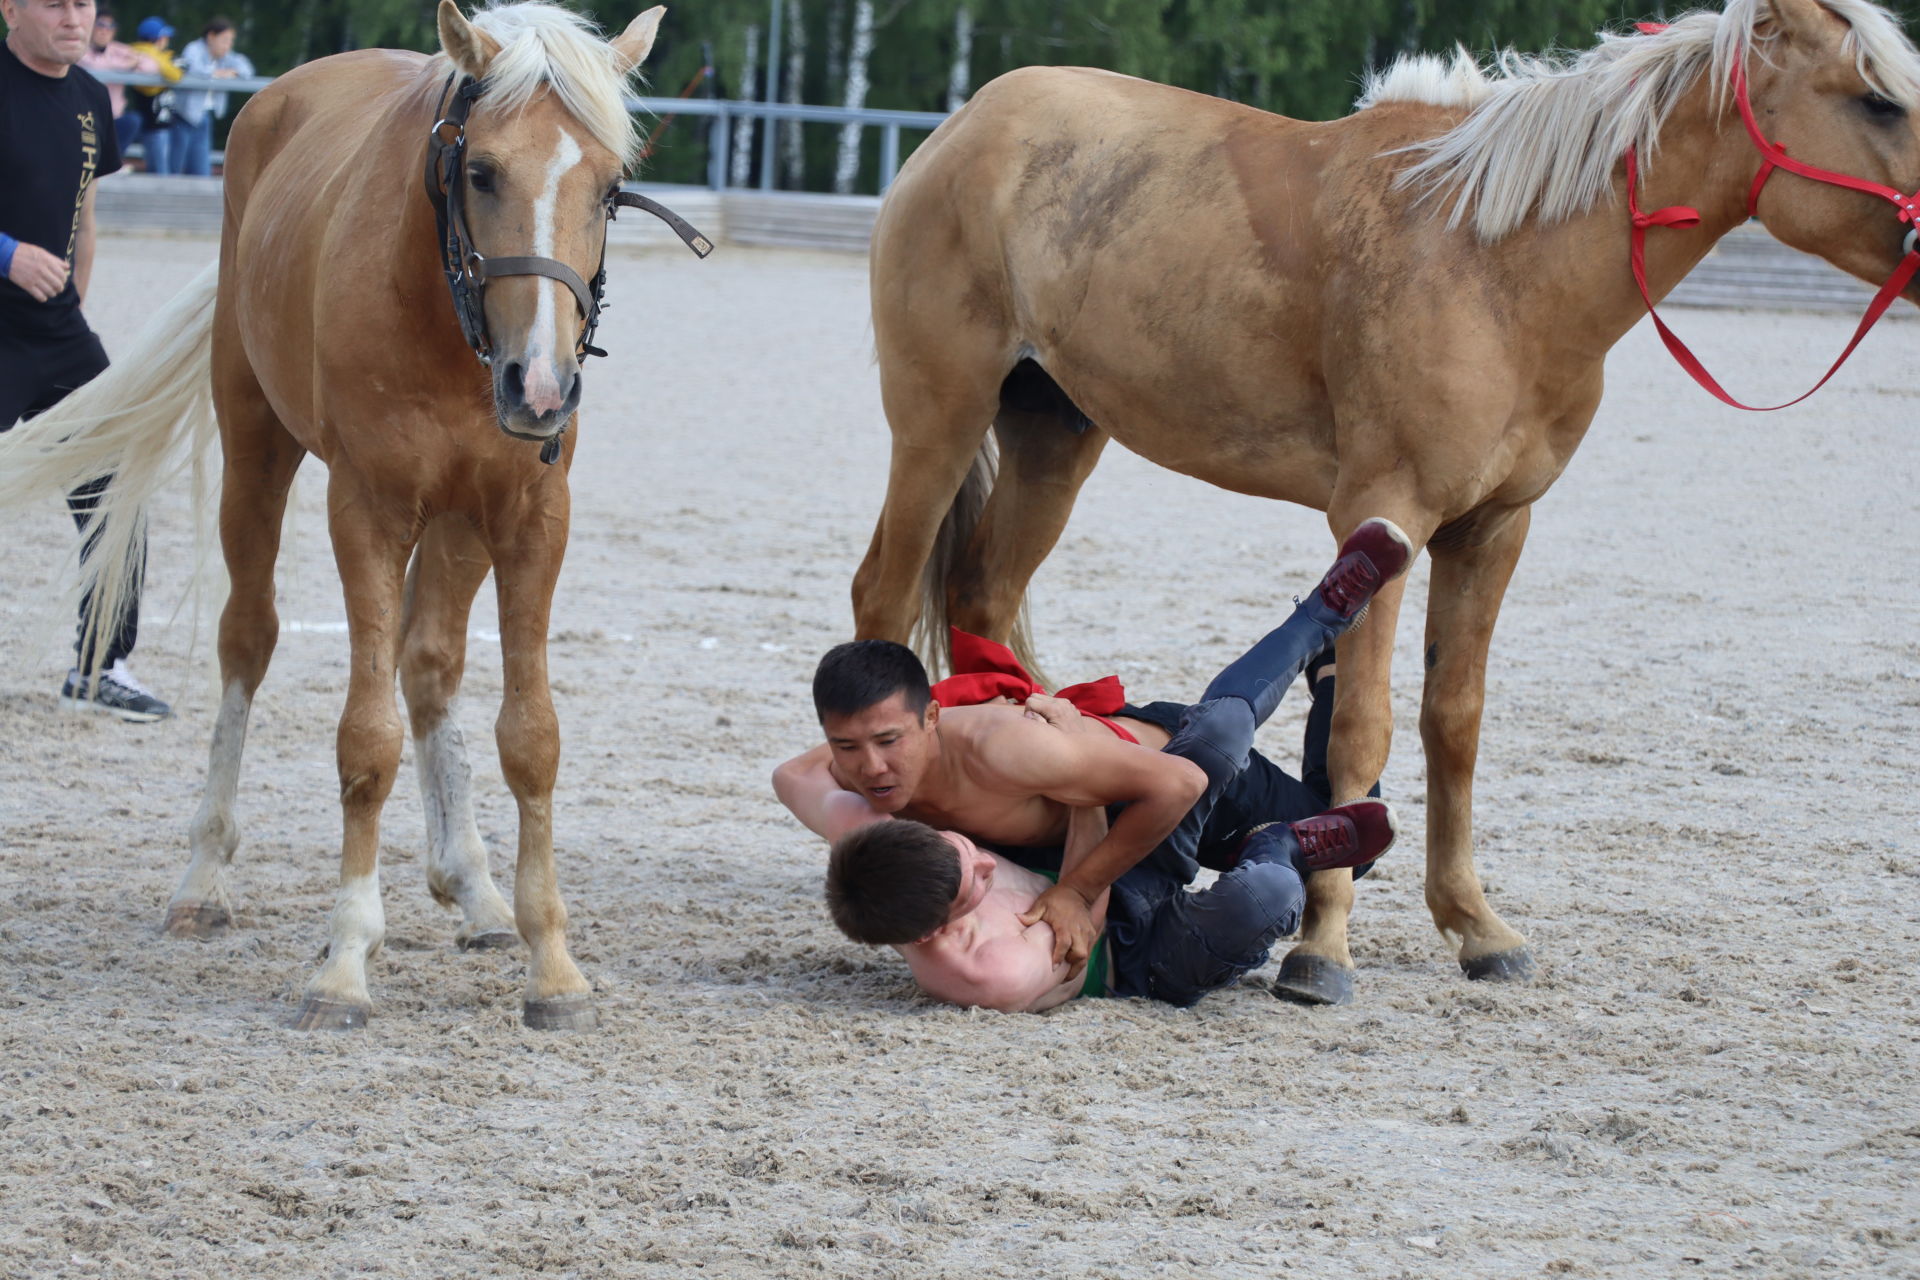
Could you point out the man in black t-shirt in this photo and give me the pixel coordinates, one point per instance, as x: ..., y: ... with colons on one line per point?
x: 56, y: 139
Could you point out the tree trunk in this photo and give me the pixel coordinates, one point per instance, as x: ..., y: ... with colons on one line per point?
x: 793, y: 157
x: 960, y: 77
x: 846, y: 165
x: 836, y: 42
x: 742, y: 174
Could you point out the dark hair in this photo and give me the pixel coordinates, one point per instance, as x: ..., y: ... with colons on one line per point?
x: 891, y: 882
x: 217, y: 24
x: 865, y: 673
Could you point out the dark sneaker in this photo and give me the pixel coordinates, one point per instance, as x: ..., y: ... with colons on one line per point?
x: 1373, y: 555
x: 115, y: 692
x: 1349, y: 836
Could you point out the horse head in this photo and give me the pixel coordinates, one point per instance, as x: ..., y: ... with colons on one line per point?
x: 545, y: 147
x: 1837, y: 86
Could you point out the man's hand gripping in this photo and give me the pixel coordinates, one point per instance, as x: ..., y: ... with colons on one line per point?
x: 1069, y: 914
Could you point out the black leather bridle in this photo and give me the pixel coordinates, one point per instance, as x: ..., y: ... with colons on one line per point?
x: 468, y: 271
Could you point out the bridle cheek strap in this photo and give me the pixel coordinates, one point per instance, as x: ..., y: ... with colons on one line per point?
x: 1772, y: 156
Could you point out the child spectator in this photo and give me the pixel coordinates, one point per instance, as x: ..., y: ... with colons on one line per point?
x: 154, y: 104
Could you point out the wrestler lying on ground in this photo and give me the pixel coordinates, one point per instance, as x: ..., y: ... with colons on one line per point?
x: 1183, y: 784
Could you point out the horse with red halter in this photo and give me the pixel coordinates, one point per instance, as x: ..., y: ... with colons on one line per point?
x: 1401, y: 313
x: 343, y: 321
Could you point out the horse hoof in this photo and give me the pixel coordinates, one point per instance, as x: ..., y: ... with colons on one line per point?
x: 200, y: 921
x: 315, y: 1014
x: 561, y: 1013
x: 1515, y: 965
x: 491, y: 940
x: 1309, y: 979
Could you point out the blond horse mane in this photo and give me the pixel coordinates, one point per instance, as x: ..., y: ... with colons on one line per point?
x: 544, y: 45
x: 1544, y: 133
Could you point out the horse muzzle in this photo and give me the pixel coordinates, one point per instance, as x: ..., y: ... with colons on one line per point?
x: 535, y: 399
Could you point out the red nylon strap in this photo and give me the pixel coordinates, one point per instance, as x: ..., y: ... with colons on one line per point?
x: 1759, y: 181
x: 1772, y: 156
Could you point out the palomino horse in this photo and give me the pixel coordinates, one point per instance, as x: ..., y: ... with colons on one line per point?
x: 332, y: 333
x: 1401, y: 313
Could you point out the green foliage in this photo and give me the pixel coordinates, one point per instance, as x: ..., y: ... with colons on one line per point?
x: 1299, y: 57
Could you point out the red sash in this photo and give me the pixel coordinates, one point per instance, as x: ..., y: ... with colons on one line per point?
x: 984, y: 670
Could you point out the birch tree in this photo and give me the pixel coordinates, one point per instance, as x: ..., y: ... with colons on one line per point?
x: 793, y: 149
x: 846, y: 165
x: 960, y: 78
x: 741, y: 170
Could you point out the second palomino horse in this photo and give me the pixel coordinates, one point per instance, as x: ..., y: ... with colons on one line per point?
x: 1401, y: 313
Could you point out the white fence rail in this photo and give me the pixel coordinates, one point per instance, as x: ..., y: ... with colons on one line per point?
x: 1747, y: 269
x: 720, y: 113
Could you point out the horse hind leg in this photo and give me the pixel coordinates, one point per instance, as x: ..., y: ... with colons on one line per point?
x: 1048, y: 448
x: 259, y: 462
x: 939, y: 385
x: 448, y: 568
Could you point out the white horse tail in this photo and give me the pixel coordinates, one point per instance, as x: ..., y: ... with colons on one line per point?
x: 140, y: 423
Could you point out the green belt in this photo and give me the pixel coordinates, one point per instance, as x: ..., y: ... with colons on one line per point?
x: 1095, y: 983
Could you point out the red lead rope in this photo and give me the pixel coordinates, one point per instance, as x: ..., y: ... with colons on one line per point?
x: 1772, y: 156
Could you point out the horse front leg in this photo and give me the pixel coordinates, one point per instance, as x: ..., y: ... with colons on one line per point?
x: 1319, y: 969
x: 448, y: 569
x: 1470, y: 576
x: 371, y: 552
x: 526, y: 563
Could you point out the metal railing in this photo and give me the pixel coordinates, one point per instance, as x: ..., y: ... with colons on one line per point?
x: 721, y: 114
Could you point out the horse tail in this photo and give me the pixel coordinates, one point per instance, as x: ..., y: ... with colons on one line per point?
x: 931, y: 637
x: 128, y: 425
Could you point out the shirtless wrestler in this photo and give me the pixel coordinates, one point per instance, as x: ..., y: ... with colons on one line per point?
x: 1183, y: 783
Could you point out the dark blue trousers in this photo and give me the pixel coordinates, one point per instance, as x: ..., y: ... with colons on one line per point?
x: 1172, y: 945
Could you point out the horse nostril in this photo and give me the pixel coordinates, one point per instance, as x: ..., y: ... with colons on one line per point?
x: 513, y: 383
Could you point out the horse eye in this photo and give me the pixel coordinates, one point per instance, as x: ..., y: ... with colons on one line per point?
x: 1884, y: 108
x: 480, y: 178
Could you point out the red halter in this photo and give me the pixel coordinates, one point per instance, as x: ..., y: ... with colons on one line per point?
x: 1772, y: 156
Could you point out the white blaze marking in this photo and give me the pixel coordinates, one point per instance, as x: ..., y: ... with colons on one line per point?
x: 542, y: 379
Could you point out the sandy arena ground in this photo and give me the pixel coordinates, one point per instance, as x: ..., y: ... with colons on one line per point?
x: 1696, y: 797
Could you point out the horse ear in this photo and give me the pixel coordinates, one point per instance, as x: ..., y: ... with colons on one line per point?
x: 1808, y: 21
x: 471, y: 49
x: 633, y: 44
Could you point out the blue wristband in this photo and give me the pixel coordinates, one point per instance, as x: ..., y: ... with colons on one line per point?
x: 7, y: 245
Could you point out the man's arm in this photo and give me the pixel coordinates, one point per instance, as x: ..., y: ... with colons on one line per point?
x: 1087, y: 770
x: 83, y: 245
x: 810, y: 793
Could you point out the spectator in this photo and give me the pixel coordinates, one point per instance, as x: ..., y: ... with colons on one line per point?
x: 108, y: 54
x: 154, y: 104
x: 212, y: 56
x: 55, y: 147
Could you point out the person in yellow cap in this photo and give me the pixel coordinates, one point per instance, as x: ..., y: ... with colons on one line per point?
x: 155, y: 104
